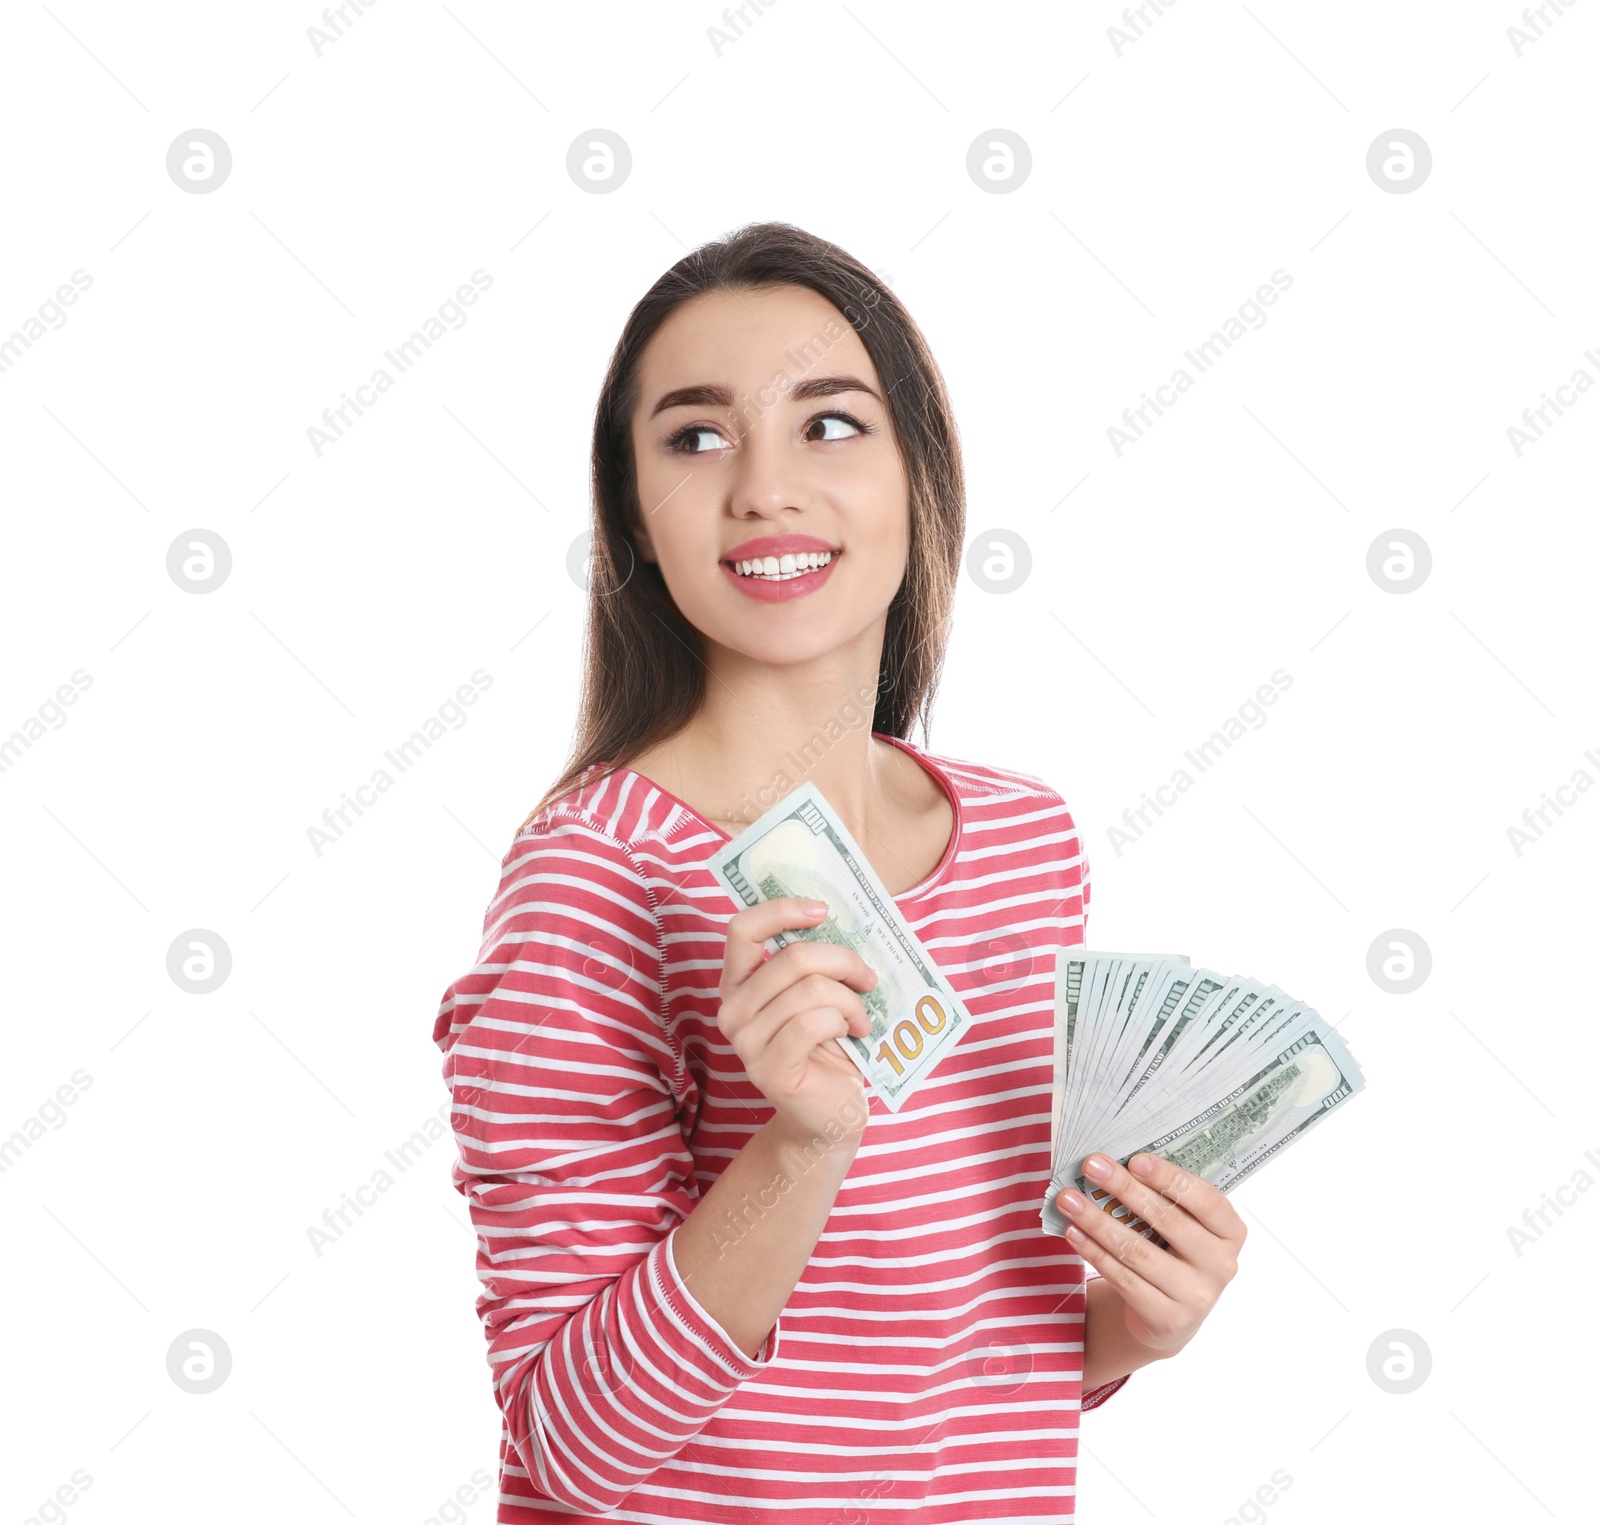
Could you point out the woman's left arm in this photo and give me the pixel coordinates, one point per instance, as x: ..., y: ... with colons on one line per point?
x: 1149, y: 1301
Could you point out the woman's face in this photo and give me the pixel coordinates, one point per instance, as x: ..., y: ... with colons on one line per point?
x: 760, y: 416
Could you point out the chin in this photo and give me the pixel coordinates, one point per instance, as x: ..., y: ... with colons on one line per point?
x: 778, y: 651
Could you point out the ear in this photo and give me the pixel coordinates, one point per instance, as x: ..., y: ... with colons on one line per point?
x: 641, y: 538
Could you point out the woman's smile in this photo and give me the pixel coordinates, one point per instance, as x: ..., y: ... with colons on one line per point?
x: 779, y: 567
x: 777, y: 579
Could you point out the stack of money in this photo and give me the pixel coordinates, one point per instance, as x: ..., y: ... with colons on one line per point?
x: 801, y: 847
x: 1152, y: 1056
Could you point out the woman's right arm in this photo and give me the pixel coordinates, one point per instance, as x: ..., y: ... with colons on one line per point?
x: 607, y: 1357
x: 743, y: 1249
x: 745, y: 1246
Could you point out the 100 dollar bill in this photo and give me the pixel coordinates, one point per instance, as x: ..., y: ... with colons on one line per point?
x: 801, y: 847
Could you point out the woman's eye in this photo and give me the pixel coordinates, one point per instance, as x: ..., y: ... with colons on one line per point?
x: 678, y: 441
x: 836, y: 418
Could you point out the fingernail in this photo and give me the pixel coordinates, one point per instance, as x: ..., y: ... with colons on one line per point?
x: 1073, y: 1201
x: 1098, y: 1166
x: 1141, y: 1164
x: 814, y: 907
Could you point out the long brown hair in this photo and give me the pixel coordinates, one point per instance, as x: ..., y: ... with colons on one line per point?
x: 644, y: 665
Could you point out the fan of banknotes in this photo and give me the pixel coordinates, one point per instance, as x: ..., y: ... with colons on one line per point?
x: 1152, y: 1055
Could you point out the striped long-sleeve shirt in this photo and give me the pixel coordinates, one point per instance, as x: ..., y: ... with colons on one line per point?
x: 927, y: 1368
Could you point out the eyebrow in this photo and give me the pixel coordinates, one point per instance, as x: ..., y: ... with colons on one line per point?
x: 712, y: 395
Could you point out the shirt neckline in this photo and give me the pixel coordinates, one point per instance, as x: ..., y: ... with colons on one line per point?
x: 940, y: 869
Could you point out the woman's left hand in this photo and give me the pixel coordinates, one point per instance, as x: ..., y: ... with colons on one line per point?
x: 1166, y: 1293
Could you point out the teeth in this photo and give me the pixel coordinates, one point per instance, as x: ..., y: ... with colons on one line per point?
x: 781, y: 568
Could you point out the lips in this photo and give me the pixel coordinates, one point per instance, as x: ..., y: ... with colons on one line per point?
x: 776, y: 545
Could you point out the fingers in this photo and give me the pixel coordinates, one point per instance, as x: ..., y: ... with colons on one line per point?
x: 1137, y: 1268
x: 749, y: 929
x: 809, y: 993
x: 1127, y: 1276
x: 1184, y: 1233
x: 782, y: 1008
x: 1172, y: 1289
x: 1164, y: 1195
x: 1198, y: 1223
x: 744, y: 999
x: 792, y: 1048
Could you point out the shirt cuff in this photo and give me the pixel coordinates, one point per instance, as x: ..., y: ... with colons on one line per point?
x: 1094, y: 1399
x: 699, y: 1325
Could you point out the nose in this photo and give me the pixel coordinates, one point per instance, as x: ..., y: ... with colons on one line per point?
x: 770, y: 471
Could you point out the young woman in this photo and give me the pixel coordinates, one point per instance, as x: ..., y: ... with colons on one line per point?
x: 721, y: 1280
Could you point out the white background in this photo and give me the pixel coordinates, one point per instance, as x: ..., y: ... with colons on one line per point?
x: 1168, y: 181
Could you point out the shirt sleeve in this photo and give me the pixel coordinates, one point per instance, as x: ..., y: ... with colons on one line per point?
x: 576, y: 1174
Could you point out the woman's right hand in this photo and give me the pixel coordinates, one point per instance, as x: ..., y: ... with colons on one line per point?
x: 782, y: 1014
